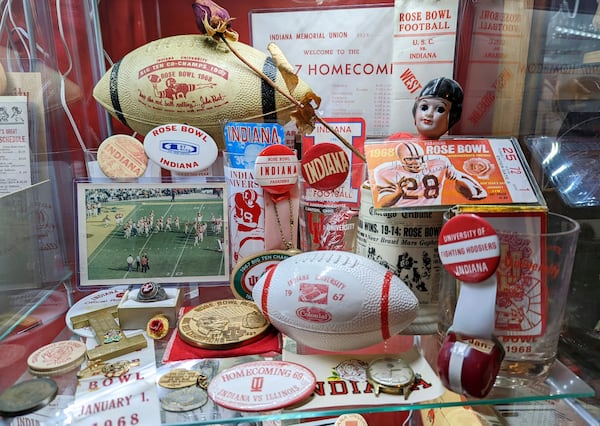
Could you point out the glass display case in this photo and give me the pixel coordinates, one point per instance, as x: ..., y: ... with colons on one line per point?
x: 538, y: 85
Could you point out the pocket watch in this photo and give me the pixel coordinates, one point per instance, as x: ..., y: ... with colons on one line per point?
x: 391, y: 375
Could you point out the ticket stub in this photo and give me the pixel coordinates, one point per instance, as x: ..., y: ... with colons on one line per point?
x: 416, y: 173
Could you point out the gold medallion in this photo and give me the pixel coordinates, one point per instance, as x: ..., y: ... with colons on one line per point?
x: 179, y: 378
x: 222, y: 324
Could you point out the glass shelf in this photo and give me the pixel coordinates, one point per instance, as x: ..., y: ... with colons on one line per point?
x: 562, y: 383
x: 17, y: 306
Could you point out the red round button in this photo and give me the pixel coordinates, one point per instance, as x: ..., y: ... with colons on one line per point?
x: 325, y: 166
x: 276, y: 169
x: 469, y: 248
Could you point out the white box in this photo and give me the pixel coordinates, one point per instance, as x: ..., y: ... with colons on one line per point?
x: 135, y: 315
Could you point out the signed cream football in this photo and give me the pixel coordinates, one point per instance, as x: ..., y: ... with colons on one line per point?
x: 195, y: 80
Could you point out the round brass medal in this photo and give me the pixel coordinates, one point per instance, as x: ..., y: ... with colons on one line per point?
x: 222, y: 324
x: 179, y: 378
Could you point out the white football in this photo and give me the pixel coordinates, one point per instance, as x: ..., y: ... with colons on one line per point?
x: 195, y: 80
x: 334, y: 300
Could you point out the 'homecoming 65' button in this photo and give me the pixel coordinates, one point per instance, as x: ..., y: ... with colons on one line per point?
x: 262, y: 385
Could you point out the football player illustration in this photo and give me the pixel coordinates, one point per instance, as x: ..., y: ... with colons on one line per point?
x: 249, y: 235
x: 416, y: 179
x: 174, y: 89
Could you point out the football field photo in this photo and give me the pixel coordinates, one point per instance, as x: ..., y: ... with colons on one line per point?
x: 166, y: 233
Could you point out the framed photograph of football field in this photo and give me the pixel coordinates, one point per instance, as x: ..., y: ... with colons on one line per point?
x: 170, y: 233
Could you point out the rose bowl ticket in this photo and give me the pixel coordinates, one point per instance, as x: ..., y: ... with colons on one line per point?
x: 423, y: 173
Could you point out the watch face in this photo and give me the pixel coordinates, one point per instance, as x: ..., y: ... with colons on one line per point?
x: 390, y: 372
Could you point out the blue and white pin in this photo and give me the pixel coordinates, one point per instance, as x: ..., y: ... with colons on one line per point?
x: 180, y: 147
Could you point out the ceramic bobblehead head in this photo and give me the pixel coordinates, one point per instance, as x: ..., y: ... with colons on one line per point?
x: 438, y: 107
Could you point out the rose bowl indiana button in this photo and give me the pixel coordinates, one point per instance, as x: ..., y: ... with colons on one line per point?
x: 180, y: 147
x: 469, y: 248
x: 276, y: 169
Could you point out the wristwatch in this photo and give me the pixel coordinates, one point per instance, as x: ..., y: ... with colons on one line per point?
x: 391, y: 375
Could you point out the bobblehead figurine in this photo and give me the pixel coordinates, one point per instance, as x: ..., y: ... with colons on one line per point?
x: 437, y: 108
x: 399, y: 182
